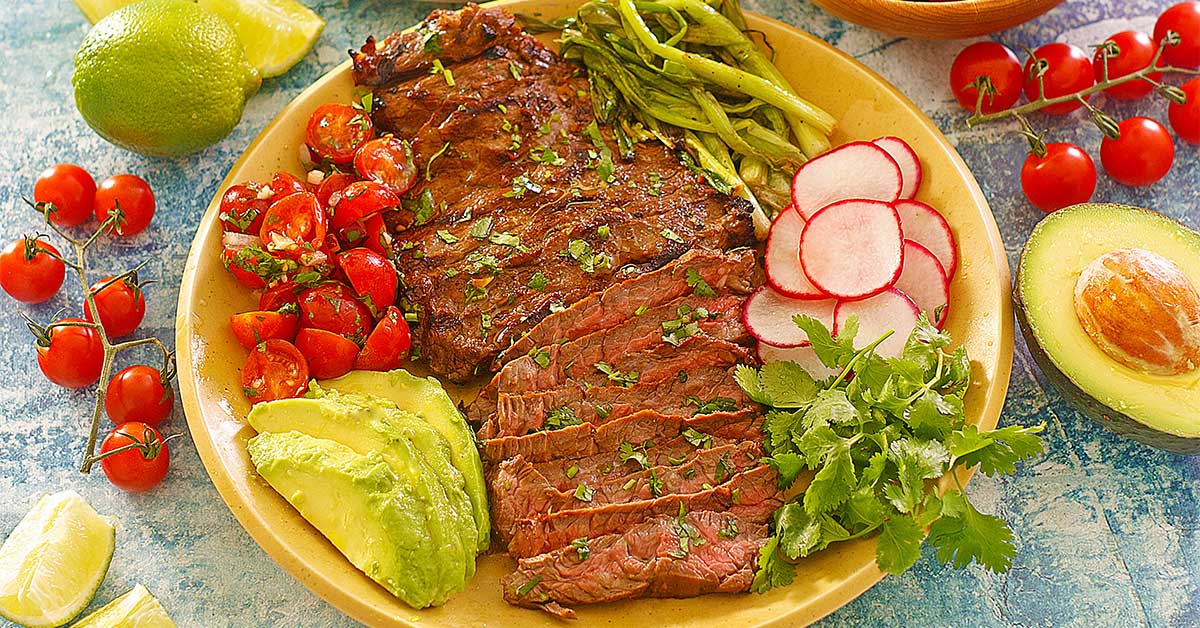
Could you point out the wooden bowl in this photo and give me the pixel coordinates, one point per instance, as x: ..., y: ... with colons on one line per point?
x: 937, y: 20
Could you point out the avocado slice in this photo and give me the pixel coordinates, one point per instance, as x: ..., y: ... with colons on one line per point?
x: 425, y: 397
x: 1159, y: 410
x: 360, y: 505
x: 416, y: 452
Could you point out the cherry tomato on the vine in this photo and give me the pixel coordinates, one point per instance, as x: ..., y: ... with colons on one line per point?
x: 1134, y: 51
x: 1185, y: 118
x: 328, y: 354
x: 275, y: 369
x: 134, y: 197
x: 371, y: 275
x: 1064, y: 176
x: 71, y: 355
x: 251, y: 328
x: 1141, y: 155
x: 30, y: 272
x: 241, y: 208
x: 122, y: 305
x: 996, y: 63
x: 294, y: 225
x: 1184, y: 19
x: 358, y: 201
x: 139, y: 393
x: 70, y: 189
x: 389, y: 161
x: 140, y: 467
x: 388, y: 345
x: 336, y: 130
x: 1067, y: 69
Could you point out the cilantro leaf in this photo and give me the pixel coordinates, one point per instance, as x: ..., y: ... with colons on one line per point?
x: 772, y: 570
x: 789, y: 466
x: 798, y: 532
x: 747, y: 377
x: 916, y: 462
x: 997, y: 451
x: 777, y: 429
x: 864, y: 510
x: 899, y: 545
x: 968, y: 535
x: 787, y: 384
x: 832, y: 353
x: 699, y: 287
x: 832, y: 484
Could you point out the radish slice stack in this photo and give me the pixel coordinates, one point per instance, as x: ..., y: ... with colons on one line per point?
x: 854, y: 242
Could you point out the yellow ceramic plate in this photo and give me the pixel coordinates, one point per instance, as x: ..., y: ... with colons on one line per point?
x: 209, y: 357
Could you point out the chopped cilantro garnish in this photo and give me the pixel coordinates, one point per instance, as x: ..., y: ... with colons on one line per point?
x: 528, y: 586
x: 572, y: 471
x: 655, y: 484
x: 584, y: 493
x: 628, y: 451
x: 540, y: 356
x: 559, y: 418
x: 604, y: 165
x: 475, y: 293
x: 481, y: 228
x: 603, y: 232
x: 582, y: 548
x: 546, y: 156
x: 674, y: 237
x: 622, y: 379
x: 505, y: 239
x: 521, y: 185
x: 514, y: 70
x: 697, y: 439
x: 446, y: 236
x: 429, y: 164
x: 538, y: 282
x: 438, y: 68
x: 699, y: 287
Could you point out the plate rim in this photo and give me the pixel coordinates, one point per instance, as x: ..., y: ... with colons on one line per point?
x: 259, y: 529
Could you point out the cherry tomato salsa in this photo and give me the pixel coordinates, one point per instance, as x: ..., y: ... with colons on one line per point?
x: 316, y: 251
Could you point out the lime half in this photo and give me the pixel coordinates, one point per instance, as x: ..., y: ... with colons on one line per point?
x: 136, y: 609
x: 276, y: 33
x: 54, y: 560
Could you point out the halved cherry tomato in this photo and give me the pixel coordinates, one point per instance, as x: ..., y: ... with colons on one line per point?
x: 244, y: 266
x: 285, y: 184
x: 372, y: 276
x: 74, y: 355
x: 139, y: 393
x: 372, y: 233
x: 251, y: 328
x: 389, y: 161
x: 333, y: 307
x: 331, y: 185
x: 279, y: 296
x: 134, y: 197
x: 30, y: 270
x: 335, y: 131
x: 241, y: 208
x: 70, y: 189
x: 1067, y: 69
x: 1134, y: 51
x: 388, y: 345
x: 329, y: 355
x: 274, y: 370
x: 358, y: 201
x: 139, y: 468
x: 294, y: 225
x: 122, y: 305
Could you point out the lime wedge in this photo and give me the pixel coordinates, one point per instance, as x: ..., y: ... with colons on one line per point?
x: 276, y: 33
x: 136, y: 609
x: 95, y: 10
x: 54, y: 560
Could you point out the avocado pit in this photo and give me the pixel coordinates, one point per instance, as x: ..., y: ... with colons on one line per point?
x: 1141, y: 310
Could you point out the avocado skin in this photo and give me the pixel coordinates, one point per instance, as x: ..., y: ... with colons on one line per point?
x: 425, y: 397
x: 1111, y: 419
x: 389, y: 516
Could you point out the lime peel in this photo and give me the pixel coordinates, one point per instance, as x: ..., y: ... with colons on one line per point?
x: 137, y: 608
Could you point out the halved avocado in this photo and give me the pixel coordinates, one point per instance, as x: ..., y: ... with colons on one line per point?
x: 1159, y: 410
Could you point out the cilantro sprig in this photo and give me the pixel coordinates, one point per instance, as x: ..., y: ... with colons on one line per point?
x: 877, y: 437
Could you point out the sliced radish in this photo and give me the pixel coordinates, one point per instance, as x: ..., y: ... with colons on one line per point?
x: 906, y: 158
x: 783, y: 258
x: 804, y: 356
x: 855, y: 170
x: 925, y: 226
x: 924, y: 281
x: 889, y: 310
x: 767, y: 315
x: 853, y: 249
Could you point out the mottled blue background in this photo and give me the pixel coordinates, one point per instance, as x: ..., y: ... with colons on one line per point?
x: 1108, y: 531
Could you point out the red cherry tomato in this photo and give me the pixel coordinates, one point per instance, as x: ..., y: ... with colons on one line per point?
x: 285, y: 184
x: 1185, y: 118
x: 1182, y: 18
x: 28, y: 273
x: 139, y: 393
x: 70, y: 189
x: 389, y: 161
x: 274, y: 370
x: 1064, y: 176
x: 241, y: 208
x: 73, y: 357
x: 1141, y: 155
x: 1134, y: 51
x: 242, y: 265
x: 329, y: 355
x: 122, y: 305
x: 335, y: 131
x: 279, y: 296
x: 135, y: 199
x: 372, y: 276
x: 333, y: 307
x: 251, y: 328
x: 331, y: 185
x: 1068, y: 70
x: 388, y: 345
x: 294, y: 225
x: 358, y: 201
x: 140, y: 467
x: 994, y: 61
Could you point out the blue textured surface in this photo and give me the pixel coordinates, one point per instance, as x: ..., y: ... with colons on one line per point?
x: 1108, y: 531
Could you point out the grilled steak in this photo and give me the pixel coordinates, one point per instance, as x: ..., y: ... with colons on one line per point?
x: 752, y: 496
x: 522, y: 210
x: 598, y: 469
x: 680, y: 556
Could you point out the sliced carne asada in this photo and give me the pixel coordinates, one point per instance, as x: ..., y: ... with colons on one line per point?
x: 521, y: 179
x: 684, y: 555
x: 752, y: 496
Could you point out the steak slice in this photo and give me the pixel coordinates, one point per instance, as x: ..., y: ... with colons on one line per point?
x: 733, y: 272
x: 714, y: 317
x: 587, y: 439
x: 752, y: 496
x: 520, y: 414
x: 518, y: 213
x: 519, y: 491
x: 605, y: 467
x: 681, y: 556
